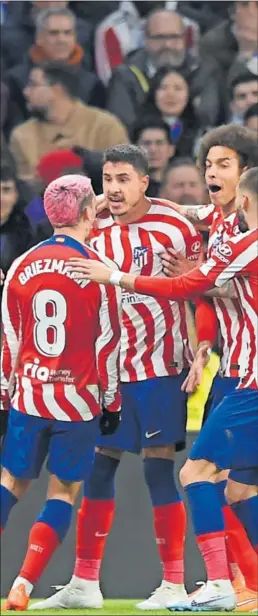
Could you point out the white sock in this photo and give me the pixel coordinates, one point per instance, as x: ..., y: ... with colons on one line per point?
x: 28, y: 586
x: 81, y: 583
x: 224, y: 585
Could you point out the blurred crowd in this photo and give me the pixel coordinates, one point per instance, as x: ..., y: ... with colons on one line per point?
x: 78, y: 77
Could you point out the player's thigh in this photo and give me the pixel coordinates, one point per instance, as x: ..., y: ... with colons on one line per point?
x: 128, y: 435
x: 236, y: 491
x: 161, y: 409
x: 166, y: 452
x: 72, y: 449
x: 196, y: 471
x: 116, y: 454
x: 221, y: 387
x: 25, y: 445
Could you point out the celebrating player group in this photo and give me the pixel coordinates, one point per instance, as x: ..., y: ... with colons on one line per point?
x: 96, y: 361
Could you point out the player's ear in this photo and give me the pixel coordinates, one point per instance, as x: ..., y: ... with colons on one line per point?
x: 245, y: 203
x: 145, y: 183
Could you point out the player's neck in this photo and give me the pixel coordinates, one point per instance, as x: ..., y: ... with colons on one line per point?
x: 135, y: 214
x: 76, y: 234
x: 228, y: 209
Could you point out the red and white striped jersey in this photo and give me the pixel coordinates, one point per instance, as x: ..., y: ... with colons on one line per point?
x: 236, y: 259
x: 61, y: 336
x: 154, y: 334
x: 233, y: 334
x: 240, y: 258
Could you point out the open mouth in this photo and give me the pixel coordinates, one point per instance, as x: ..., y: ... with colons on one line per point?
x: 115, y: 199
x: 214, y: 188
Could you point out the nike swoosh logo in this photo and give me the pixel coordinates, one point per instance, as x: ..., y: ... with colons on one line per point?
x: 245, y: 602
x: 150, y: 434
x: 200, y: 603
x: 101, y: 534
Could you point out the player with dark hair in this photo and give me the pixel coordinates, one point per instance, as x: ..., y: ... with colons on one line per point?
x: 61, y: 344
x: 224, y: 154
x: 229, y: 436
x: 154, y: 360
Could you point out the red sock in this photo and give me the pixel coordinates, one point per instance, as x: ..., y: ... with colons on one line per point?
x: 43, y: 541
x: 241, y: 548
x: 213, y: 549
x: 94, y: 522
x: 170, y: 530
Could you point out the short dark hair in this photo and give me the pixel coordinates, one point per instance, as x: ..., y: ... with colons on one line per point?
x: 251, y: 112
x: 180, y: 161
x: 249, y: 181
x: 66, y: 76
x: 127, y: 153
x: 238, y: 138
x: 244, y: 76
x: 7, y: 172
x: 148, y: 124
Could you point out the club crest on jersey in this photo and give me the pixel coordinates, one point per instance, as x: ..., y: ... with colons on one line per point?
x: 140, y: 256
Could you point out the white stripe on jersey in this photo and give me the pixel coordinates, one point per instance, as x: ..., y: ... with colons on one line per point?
x: 239, y: 263
x: 28, y: 399
x: 48, y: 394
x: 77, y: 401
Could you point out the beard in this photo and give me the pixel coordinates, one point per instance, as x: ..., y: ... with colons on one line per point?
x: 175, y: 59
x: 243, y: 226
x: 40, y: 113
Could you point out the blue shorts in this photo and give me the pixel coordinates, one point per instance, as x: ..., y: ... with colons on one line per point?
x: 221, y: 387
x: 229, y: 438
x: 153, y: 414
x: 68, y: 446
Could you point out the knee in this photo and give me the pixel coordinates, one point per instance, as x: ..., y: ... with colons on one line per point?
x: 236, y: 492
x: 100, y: 485
x: 17, y: 487
x: 63, y: 490
x: 195, y: 471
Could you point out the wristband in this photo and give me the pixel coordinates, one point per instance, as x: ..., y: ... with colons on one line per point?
x: 115, y: 278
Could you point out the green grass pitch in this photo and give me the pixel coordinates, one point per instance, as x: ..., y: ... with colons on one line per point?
x: 113, y: 607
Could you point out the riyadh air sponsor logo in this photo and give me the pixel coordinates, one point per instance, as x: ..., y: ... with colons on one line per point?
x: 196, y: 246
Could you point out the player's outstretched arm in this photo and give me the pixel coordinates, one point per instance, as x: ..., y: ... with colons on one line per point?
x: 180, y: 288
x: 107, y: 356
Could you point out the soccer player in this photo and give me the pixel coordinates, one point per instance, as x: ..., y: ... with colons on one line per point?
x: 154, y: 360
x: 225, y: 152
x: 230, y: 435
x: 61, y: 344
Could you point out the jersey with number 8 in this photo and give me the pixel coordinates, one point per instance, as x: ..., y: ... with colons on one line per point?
x: 61, y: 336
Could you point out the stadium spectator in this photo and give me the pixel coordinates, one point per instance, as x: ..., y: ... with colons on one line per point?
x: 59, y: 120
x: 251, y: 118
x: 243, y: 94
x: 155, y: 137
x: 183, y: 183
x: 165, y: 44
x: 234, y: 41
x: 55, y: 41
x: 18, y: 33
x: 16, y: 232
x: 3, y: 103
x: 169, y: 99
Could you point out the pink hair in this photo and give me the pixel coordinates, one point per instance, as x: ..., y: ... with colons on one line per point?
x: 63, y: 198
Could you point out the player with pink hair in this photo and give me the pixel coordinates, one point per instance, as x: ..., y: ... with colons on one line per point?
x: 61, y: 341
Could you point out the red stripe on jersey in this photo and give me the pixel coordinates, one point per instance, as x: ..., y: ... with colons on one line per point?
x: 88, y: 397
x: 132, y: 348
x: 108, y: 244
x: 146, y: 315
x: 40, y: 403
x: 128, y: 254
x: 67, y: 407
x: 169, y: 347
